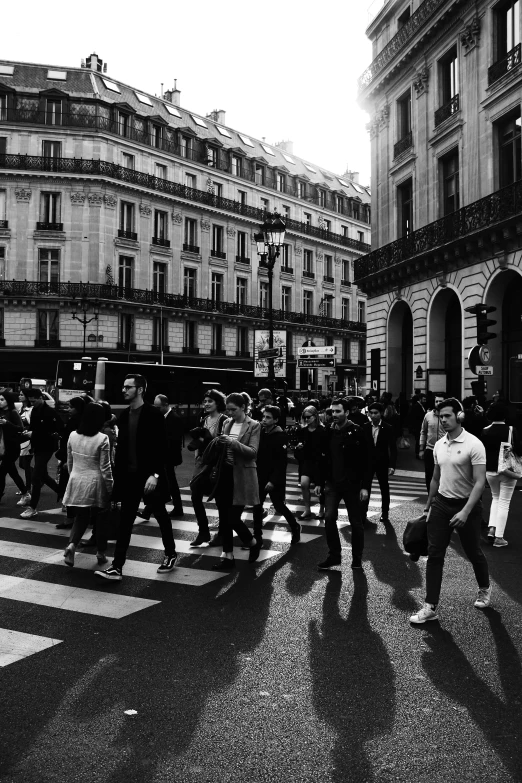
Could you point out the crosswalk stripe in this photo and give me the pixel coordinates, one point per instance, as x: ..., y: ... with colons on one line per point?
x: 73, y: 599
x: 195, y: 577
x: 279, y: 536
x: 15, y: 645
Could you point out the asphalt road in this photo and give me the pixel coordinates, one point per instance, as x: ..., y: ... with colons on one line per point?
x: 277, y: 673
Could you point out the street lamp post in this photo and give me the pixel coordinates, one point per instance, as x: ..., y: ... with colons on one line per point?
x: 84, y: 305
x: 269, y: 240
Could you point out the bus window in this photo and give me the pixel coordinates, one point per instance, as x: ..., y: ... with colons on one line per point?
x: 74, y: 377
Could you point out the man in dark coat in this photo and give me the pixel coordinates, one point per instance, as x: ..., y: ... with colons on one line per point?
x: 141, y: 455
x: 271, y: 462
x: 264, y: 397
x: 383, y: 454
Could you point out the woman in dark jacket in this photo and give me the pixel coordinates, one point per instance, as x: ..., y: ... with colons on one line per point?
x: 307, y: 453
x: 11, y: 428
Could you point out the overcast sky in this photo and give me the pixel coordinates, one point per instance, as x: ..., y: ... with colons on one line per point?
x: 284, y: 70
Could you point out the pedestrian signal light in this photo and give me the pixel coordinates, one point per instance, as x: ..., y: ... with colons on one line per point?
x: 483, y: 322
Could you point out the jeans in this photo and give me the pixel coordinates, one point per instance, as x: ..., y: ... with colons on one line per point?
x: 381, y: 471
x: 502, y: 488
x: 334, y: 493
x: 131, y: 494
x: 41, y: 476
x: 429, y: 467
x: 84, y: 515
x: 230, y: 515
x: 277, y: 496
x: 8, y: 468
x: 439, y: 535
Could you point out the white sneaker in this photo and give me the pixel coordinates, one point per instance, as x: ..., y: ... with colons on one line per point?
x: 28, y: 513
x: 500, y: 542
x: 68, y: 555
x: 483, y: 597
x: 24, y: 500
x: 428, y: 612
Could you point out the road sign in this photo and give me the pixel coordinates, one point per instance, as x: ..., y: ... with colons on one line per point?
x: 315, y: 362
x: 484, y: 354
x: 317, y: 350
x: 270, y: 353
x: 486, y: 370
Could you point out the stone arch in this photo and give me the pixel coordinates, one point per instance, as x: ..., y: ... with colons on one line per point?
x: 399, y: 375
x: 445, y: 340
x: 504, y: 291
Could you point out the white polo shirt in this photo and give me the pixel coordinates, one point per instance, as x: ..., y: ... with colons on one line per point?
x: 456, y: 458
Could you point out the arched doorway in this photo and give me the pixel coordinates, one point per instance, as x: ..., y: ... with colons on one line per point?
x: 445, y: 359
x: 400, y: 350
x: 505, y: 293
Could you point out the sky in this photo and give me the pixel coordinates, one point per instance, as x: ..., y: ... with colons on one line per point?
x: 285, y: 70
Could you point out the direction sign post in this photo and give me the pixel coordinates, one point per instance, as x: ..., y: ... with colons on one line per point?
x: 317, y: 350
x: 313, y: 362
x: 270, y: 353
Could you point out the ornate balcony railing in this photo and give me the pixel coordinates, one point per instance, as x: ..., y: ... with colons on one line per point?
x: 4, y: 224
x: 310, y: 275
x: 328, y: 279
x: 510, y: 61
x: 421, y: 16
x: 17, y: 289
x: 218, y: 254
x: 347, y: 282
x: 123, y: 233
x: 482, y: 214
x: 44, y: 226
x: 403, y: 144
x: 190, y: 248
x: 449, y: 108
x: 289, y: 270
x: 161, y: 241
x: 90, y: 167
x: 242, y: 260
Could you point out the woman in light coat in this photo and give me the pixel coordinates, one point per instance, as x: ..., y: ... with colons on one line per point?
x: 237, y: 486
x: 90, y: 479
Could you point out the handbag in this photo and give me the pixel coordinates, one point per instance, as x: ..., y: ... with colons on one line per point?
x: 509, y: 464
x: 415, y: 537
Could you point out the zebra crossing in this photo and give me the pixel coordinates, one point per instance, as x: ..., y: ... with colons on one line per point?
x: 111, y: 604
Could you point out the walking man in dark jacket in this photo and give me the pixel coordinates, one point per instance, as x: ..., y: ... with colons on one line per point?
x: 346, y: 474
x: 141, y: 455
x: 271, y: 473
x: 383, y: 454
x: 46, y: 427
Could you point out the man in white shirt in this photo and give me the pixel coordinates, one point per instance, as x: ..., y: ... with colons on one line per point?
x: 454, y: 503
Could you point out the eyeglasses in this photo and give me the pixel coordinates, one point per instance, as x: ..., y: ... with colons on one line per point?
x: 307, y: 417
x: 125, y: 388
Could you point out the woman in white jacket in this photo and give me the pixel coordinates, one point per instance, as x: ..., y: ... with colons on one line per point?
x: 90, y: 479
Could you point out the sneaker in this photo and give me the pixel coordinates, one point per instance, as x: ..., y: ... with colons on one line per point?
x: 68, y: 555
x: 202, y: 539
x: 28, y: 513
x: 296, y: 534
x: 329, y: 562
x: 255, y: 549
x: 169, y: 561
x: 24, y: 500
x: 500, y: 542
x: 428, y: 612
x: 113, y: 574
x: 483, y: 597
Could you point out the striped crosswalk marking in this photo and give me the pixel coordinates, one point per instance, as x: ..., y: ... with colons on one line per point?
x: 15, y: 645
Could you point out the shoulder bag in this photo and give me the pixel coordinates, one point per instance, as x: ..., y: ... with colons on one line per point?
x: 509, y: 464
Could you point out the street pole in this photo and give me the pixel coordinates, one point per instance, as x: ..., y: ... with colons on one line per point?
x: 269, y: 240
x: 271, y: 369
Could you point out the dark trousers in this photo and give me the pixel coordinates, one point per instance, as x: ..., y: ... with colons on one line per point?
x: 381, y: 471
x: 41, y: 476
x: 8, y: 468
x: 230, y: 515
x: 439, y: 535
x: 277, y: 496
x: 429, y: 467
x: 334, y: 494
x: 83, y: 516
x: 174, y: 491
x: 131, y: 492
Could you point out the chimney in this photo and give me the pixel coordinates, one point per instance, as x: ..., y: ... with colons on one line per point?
x: 217, y: 115
x: 286, y: 146
x: 95, y: 63
x: 172, y: 96
x: 353, y: 175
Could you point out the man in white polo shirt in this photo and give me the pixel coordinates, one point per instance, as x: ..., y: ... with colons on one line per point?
x: 454, y: 504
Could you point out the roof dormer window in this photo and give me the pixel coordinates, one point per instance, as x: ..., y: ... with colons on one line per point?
x: 57, y: 75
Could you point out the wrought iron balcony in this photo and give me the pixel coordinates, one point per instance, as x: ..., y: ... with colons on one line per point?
x: 310, y: 275
x: 242, y: 260
x: 4, y: 224
x: 43, y: 226
x: 422, y: 16
x: 190, y: 248
x: 289, y: 270
x: 500, y: 68
x: 493, y: 210
x: 102, y: 168
x: 449, y: 108
x: 346, y: 282
x: 161, y: 241
x: 124, y: 234
x: 403, y: 144
x: 218, y: 254
x: 328, y: 279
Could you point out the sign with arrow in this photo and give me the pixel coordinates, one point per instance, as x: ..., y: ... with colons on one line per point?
x: 314, y: 362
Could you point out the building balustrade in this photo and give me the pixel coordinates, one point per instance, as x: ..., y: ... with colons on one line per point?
x: 44, y: 226
x: 218, y: 254
x: 449, y: 108
x: 489, y: 211
x: 161, y: 241
x: 124, y: 234
x: 94, y: 167
x: 19, y: 289
x: 242, y: 260
x: 403, y: 144
x: 500, y: 68
x: 308, y: 274
x: 190, y: 248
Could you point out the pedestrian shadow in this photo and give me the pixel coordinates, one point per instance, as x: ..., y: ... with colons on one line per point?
x: 356, y: 698
x: 392, y: 566
x: 498, y: 718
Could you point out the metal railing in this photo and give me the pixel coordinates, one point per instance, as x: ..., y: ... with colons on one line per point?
x: 161, y: 242
x: 484, y: 213
x: 178, y: 302
x: 403, y: 144
x: 190, y: 248
x: 44, y: 226
x: 449, y: 108
x: 242, y: 260
x: 93, y: 167
x: 500, y: 68
x: 218, y: 254
x: 123, y: 233
x: 4, y: 224
x: 308, y: 274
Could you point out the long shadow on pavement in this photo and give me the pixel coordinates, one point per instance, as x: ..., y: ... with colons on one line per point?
x: 392, y: 566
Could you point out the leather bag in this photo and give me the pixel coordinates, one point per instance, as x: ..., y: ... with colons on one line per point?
x: 509, y: 464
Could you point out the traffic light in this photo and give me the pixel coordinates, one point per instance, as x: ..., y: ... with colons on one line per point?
x: 483, y: 322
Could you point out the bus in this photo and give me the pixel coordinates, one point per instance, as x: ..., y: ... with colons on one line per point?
x: 184, y: 386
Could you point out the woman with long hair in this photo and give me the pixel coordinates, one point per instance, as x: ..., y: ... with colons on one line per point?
x: 90, y: 479
x: 237, y: 485
x: 75, y: 412
x: 26, y: 453
x: 11, y: 428
x: 307, y: 453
